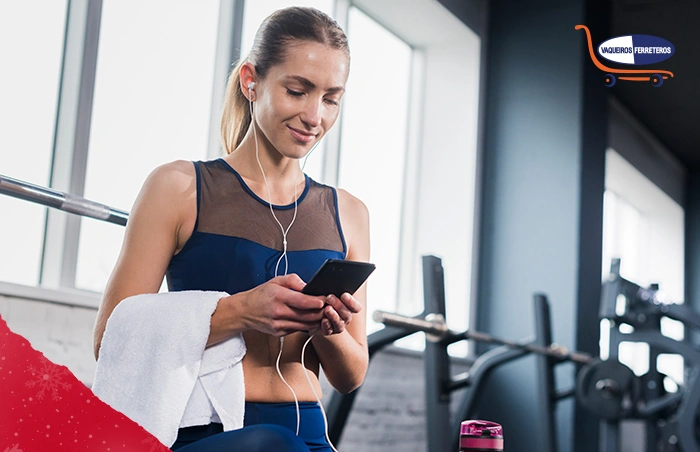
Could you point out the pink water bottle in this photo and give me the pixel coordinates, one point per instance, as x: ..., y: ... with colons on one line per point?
x: 480, y: 436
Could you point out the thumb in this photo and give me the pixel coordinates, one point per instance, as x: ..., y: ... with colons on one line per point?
x: 291, y: 281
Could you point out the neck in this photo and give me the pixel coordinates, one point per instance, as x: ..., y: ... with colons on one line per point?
x: 277, y: 167
x: 283, y: 174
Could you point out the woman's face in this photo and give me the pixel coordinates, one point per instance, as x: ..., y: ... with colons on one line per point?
x: 298, y: 101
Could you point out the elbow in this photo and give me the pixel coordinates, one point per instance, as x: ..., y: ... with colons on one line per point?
x: 97, y: 335
x: 349, y: 386
x: 351, y: 381
x: 97, y: 343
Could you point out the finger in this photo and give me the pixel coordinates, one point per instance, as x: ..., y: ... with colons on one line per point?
x: 283, y: 312
x: 299, y: 300
x: 337, y: 323
x: 306, y: 315
x: 351, y: 303
x: 339, y: 307
x: 288, y: 327
x: 326, y: 327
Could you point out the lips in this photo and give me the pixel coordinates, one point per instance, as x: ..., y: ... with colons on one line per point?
x: 302, y: 136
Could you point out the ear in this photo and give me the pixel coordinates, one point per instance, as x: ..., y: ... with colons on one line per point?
x: 248, y: 76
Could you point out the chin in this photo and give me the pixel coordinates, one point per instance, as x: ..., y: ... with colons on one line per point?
x: 298, y: 151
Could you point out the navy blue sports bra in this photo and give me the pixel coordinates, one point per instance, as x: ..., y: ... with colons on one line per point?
x: 236, y: 242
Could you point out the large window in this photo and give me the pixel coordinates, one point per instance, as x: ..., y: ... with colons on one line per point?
x: 31, y: 44
x: 152, y: 101
x: 373, y: 146
x: 644, y: 227
x: 158, y: 69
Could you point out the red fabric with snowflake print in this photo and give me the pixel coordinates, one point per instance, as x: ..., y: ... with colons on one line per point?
x: 44, y: 407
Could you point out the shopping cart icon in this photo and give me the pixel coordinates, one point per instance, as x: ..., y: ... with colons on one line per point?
x: 655, y: 76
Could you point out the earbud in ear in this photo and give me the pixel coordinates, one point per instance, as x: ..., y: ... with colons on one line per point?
x: 251, y: 91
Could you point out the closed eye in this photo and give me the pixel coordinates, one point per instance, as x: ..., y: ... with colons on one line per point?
x: 294, y: 93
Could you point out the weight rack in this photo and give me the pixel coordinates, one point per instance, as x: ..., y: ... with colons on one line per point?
x: 671, y: 419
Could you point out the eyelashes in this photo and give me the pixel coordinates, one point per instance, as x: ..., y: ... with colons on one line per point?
x: 300, y: 94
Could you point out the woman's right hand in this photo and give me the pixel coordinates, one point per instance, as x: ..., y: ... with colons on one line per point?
x: 276, y: 307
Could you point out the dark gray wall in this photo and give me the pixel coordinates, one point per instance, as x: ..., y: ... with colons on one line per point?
x: 692, y: 242
x: 543, y: 183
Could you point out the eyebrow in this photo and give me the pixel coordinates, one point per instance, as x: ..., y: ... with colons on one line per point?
x: 311, y: 85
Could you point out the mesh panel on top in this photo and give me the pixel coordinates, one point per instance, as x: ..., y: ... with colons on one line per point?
x: 228, y: 207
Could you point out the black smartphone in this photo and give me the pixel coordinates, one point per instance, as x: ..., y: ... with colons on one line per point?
x: 337, y: 276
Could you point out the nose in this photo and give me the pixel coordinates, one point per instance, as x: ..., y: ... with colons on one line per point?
x: 311, y: 114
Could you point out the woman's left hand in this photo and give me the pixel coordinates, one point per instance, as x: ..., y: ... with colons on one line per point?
x: 338, y: 313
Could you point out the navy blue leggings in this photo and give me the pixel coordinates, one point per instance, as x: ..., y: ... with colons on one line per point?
x: 267, y: 427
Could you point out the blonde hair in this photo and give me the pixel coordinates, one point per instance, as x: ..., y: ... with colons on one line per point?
x: 271, y: 40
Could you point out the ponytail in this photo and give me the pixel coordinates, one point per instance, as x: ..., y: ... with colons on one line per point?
x: 235, y: 117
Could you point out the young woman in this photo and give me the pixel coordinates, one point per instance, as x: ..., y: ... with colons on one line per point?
x: 253, y: 225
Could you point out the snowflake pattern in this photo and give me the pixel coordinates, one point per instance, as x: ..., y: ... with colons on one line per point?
x: 15, y: 448
x: 47, y: 377
x: 153, y: 444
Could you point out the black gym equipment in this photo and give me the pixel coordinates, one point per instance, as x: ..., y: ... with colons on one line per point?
x: 606, y: 388
x: 442, y: 431
x: 671, y: 419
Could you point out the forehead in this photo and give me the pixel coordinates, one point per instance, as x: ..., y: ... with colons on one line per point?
x: 323, y: 65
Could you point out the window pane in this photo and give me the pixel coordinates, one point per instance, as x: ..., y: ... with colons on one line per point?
x: 152, y: 104
x: 253, y: 14
x: 373, y: 146
x: 31, y: 45
x: 644, y: 227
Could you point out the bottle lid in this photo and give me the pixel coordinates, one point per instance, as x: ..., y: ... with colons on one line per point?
x: 481, y: 429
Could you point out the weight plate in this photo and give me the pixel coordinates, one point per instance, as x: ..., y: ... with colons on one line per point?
x: 608, y: 389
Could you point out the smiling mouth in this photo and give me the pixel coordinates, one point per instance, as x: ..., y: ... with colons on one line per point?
x: 302, y: 136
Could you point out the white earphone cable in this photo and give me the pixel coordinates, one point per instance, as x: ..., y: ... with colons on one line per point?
x: 284, y: 255
x: 286, y: 268
x: 318, y: 399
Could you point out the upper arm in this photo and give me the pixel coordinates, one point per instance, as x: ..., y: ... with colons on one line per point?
x: 151, y: 237
x: 354, y: 218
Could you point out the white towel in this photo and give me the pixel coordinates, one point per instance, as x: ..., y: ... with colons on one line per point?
x: 154, y: 368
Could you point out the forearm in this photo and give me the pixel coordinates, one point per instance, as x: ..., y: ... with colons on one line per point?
x: 226, y: 320
x: 344, y: 360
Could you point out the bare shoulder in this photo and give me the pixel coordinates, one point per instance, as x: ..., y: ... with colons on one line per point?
x: 178, y: 175
x: 169, y: 195
x: 354, y: 218
x: 168, y: 186
x: 351, y: 205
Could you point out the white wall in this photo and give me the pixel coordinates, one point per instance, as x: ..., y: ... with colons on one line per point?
x: 62, y: 333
